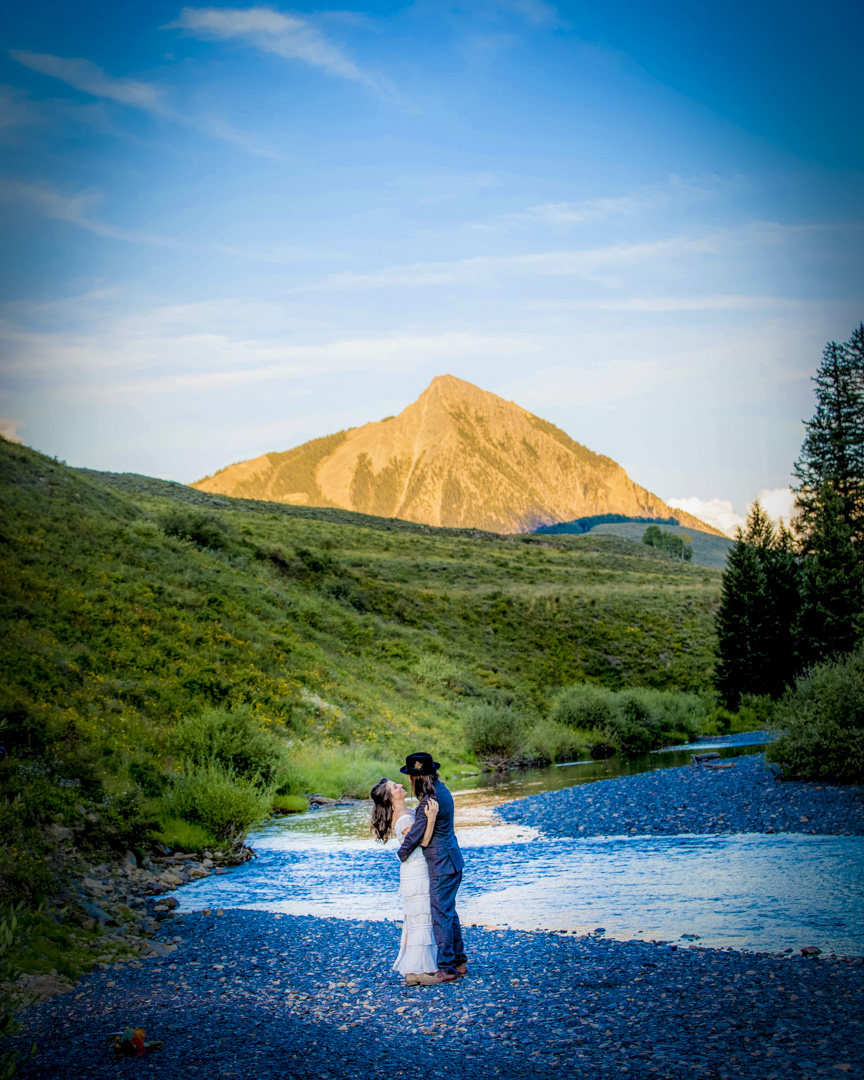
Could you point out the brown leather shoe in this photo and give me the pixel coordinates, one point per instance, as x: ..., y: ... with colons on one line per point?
x: 437, y: 978
x: 461, y: 971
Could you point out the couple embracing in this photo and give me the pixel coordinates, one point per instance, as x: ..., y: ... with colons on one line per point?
x: 431, y: 951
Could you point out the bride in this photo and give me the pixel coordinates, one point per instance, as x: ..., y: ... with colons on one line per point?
x: 418, y: 953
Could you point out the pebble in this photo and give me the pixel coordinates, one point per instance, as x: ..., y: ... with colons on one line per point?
x: 691, y: 799
x: 535, y: 1005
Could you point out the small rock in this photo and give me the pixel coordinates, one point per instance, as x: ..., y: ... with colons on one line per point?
x: 130, y: 860
x: 59, y: 833
x: 219, y: 911
x: 810, y: 950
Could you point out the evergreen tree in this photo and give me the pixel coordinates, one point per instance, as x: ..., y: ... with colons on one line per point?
x: 833, y: 450
x: 832, y: 607
x: 758, y: 612
x: 741, y: 658
x: 782, y: 606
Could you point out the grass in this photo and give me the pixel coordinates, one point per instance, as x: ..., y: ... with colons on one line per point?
x: 327, y: 645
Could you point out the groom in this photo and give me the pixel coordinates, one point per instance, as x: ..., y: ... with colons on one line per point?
x: 444, y: 862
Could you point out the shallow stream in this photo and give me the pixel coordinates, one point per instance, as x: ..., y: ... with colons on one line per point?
x: 764, y: 892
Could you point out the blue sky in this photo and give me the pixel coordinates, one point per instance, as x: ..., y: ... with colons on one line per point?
x: 230, y: 229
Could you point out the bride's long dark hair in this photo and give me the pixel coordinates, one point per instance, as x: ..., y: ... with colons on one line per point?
x: 382, y: 811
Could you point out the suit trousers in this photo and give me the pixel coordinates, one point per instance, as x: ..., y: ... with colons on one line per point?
x: 445, y: 921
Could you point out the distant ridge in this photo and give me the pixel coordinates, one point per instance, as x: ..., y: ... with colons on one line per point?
x: 583, y: 525
x: 459, y: 457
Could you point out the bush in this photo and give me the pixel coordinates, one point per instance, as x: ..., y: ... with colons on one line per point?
x: 436, y: 670
x: 203, y: 530
x: 289, y: 804
x: 821, y: 722
x: 631, y: 721
x: 232, y: 738
x: 583, y: 706
x: 495, y: 734
x: 185, y: 835
x: 217, y: 798
x: 549, y: 740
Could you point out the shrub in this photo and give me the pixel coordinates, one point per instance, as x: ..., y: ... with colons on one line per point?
x: 223, y: 802
x: 203, y: 530
x: 549, y: 740
x: 335, y: 771
x: 821, y: 722
x: 583, y: 706
x: 185, y: 835
x: 495, y: 733
x: 289, y: 804
x: 232, y: 738
x: 436, y: 670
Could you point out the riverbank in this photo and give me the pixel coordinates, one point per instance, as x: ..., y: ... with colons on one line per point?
x: 257, y: 996
x: 746, y: 797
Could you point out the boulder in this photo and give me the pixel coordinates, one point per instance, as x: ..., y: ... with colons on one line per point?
x: 96, y: 912
x: 59, y: 833
x: 46, y: 986
x: 130, y: 860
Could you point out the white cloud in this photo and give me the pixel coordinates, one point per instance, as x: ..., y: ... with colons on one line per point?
x: 272, y: 31
x: 88, y: 77
x: 9, y: 429
x: 590, y: 263
x: 778, y: 503
x: 717, y: 512
x: 166, y: 356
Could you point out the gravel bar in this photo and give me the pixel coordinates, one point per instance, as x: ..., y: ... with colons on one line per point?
x: 261, y: 996
x: 694, y: 799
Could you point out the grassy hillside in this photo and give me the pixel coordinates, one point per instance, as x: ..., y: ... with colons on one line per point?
x: 708, y: 550
x: 129, y: 609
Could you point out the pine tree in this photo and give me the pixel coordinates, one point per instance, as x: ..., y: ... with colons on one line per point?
x: 832, y: 607
x: 758, y: 612
x: 741, y: 659
x: 833, y: 450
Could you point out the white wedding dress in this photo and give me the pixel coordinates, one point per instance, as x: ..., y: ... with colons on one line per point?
x: 418, y: 951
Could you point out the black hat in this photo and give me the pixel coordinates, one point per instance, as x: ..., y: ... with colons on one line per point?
x: 420, y: 765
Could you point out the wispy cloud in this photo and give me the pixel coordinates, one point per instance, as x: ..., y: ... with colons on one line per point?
x: 561, y: 215
x: 288, y: 36
x: 88, y: 77
x: 168, y: 358
x: 46, y: 201
x: 588, y: 263
x: 660, y: 304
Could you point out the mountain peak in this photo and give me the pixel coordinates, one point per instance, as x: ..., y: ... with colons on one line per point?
x: 457, y: 456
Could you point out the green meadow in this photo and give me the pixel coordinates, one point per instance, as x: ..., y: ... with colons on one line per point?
x: 177, y: 663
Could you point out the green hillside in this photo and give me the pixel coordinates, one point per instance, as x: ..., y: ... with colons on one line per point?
x: 128, y: 607
x: 708, y: 550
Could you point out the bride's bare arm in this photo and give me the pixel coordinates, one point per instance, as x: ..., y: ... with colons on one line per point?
x: 431, y: 814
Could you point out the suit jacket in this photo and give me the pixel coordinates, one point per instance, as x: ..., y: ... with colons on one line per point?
x: 442, y: 855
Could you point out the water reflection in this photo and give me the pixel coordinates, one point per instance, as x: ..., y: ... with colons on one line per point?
x: 764, y: 892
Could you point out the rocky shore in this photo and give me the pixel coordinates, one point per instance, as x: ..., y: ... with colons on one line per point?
x: 259, y: 996
x: 746, y: 797
x: 124, y: 901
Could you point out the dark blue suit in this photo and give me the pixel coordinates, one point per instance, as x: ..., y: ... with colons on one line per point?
x: 444, y: 862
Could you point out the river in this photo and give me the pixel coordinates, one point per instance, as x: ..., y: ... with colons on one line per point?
x: 749, y: 891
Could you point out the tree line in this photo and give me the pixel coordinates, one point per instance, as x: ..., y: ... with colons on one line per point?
x: 793, y: 596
